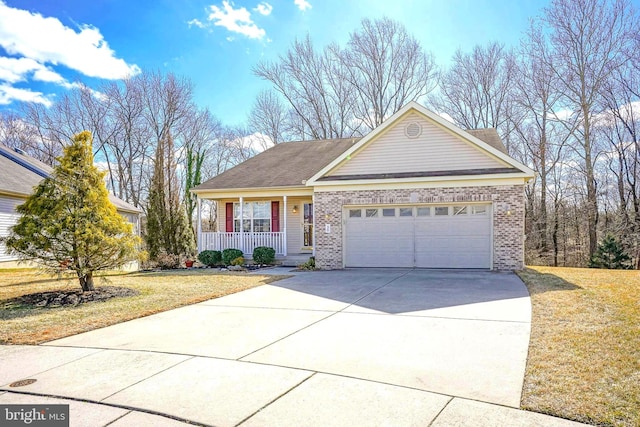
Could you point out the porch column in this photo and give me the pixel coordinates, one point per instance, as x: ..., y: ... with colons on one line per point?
x: 199, y: 227
x: 313, y: 212
x: 241, y: 224
x: 285, y: 224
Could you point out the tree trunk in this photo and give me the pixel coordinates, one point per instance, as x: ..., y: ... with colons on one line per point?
x: 86, y: 282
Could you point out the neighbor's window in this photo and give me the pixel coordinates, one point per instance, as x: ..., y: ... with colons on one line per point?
x: 355, y: 213
x: 256, y: 217
x: 442, y: 210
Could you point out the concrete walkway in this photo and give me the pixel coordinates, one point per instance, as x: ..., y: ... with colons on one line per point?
x: 355, y: 347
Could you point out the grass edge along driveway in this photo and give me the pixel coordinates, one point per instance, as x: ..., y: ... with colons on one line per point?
x: 584, y: 354
x: 158, y: 291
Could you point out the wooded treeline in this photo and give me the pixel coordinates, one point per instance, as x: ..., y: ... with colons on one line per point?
x: 565, y: 101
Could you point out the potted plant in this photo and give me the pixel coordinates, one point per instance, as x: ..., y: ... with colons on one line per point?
x: 188, y: 263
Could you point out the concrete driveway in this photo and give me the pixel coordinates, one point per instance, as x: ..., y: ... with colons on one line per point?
x: 353, y: 347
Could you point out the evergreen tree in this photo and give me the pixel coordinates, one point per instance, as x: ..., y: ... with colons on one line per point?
x: 69, y: 220
x: 610, y: 254
x: 168, y: 229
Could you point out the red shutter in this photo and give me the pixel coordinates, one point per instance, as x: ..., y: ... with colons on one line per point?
x: 275, y: 217
x: 229, y: 218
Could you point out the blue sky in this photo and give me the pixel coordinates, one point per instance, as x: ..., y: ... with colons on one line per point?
x: 47, y: 45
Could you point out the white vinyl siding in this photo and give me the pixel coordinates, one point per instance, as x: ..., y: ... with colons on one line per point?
x: 454, y: 236
x: 8, y: 217
x: 434, y: 150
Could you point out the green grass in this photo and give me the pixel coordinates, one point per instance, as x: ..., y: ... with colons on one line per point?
x: 159, y: 291
x: 584, y: 355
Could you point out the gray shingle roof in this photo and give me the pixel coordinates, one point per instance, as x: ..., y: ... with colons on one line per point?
x: 490, y: 136
x: 19, y: 173
x: 287, y: 164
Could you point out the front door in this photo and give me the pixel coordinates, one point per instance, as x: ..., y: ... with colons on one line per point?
x: 307, y: 227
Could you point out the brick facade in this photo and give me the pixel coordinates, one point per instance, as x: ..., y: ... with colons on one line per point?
x: 508, y: 218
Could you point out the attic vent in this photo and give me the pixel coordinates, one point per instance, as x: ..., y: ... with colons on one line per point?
x: 413, y: 130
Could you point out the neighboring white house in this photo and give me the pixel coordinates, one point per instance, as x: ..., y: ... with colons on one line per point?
x: 19, y: 174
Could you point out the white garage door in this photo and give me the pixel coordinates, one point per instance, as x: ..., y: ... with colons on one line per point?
x: 452, y: 236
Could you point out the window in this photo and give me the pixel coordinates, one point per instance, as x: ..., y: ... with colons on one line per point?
x: 442, y: 210
x: 256, y: 217
x: 355, y: 213
x: 388, y: 212
x: 406, y: 211
x: 459, y: 210
x: 371, y: 213
x: 424, y: 211
x: 478, y: 210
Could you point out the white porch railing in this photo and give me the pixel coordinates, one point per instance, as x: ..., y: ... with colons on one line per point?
x: 246, y: 242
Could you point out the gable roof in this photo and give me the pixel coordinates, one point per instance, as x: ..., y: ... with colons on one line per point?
x: 493, y: 148
x: 20, y: 173
x: 288, y: 164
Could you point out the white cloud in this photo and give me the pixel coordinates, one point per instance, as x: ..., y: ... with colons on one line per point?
x: 195, y: 22
x: 13, y: 70
x: 235, y: 20
x: 8, y: 94
x: 264, y: 8
x: 47, y: 40
x: 302, y: 4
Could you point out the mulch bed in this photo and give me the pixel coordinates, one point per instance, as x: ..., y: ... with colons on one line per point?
x: 65, y: 298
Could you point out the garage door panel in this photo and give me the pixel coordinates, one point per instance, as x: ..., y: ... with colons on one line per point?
x: 447, y: 241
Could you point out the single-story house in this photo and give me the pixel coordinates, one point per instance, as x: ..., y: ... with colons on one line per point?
x: 415, y: 192
x: 20, y: 174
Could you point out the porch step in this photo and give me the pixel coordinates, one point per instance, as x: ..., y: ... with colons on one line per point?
x: 293, y: 260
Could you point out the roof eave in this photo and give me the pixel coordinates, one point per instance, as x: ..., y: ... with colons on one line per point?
x: 521, y: 175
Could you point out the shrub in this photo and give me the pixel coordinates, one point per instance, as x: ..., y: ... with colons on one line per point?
x: 610, y: 254
x: 264, y: 255
x: 210, y: 258
x: 230, y: 254
x: 309, y: 265
x: 168, y: 261
x: 238, y: 261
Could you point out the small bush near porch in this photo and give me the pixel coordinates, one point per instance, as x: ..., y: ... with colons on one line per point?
x: 156, y: 292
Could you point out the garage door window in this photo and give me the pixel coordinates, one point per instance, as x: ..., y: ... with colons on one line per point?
x: 459, y: 210
x: 478, y: 210
x: 388, y: 212
x: 371, y: 213
x: 355, y: 213
x: 406, y: 211
x: 442, y: 210
x: 424, y: 211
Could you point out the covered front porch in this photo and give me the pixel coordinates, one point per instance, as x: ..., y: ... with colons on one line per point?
x: 282, y: 220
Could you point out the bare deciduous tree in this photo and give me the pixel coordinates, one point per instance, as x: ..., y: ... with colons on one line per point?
x: 475, y: 91
x: 588, y: 40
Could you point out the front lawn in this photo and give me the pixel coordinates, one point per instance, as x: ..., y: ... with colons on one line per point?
x: 584, y: 355
x: 160, y: 291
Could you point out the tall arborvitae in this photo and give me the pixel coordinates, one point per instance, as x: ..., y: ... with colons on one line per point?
x: 69, y: 220
x: 168, y: 229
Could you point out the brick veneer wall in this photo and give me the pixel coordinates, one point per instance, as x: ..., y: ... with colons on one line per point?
x: 508, y: 226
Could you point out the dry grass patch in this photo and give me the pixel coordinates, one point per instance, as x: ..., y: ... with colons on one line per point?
x: 158, y: 292
x: 584, y: 356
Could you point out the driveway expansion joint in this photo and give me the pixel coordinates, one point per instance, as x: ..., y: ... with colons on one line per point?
x: 440, y: 412
x: 277, y: 398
